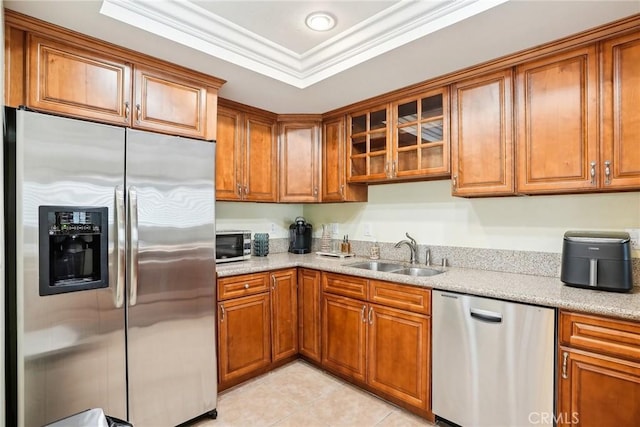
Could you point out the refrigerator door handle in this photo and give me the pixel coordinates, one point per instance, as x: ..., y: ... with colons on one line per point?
x: 132, y: 267
x: 120, y: 245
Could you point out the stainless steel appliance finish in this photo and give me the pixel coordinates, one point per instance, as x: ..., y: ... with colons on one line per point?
x: 156, y: 320
x: 493, y: 361
x: 233, y: 245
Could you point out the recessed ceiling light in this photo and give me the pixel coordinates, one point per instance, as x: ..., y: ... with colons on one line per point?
x: 320, y: 21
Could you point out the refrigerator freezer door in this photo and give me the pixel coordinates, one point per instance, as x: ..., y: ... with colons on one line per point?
x: 70, y: 346
x: 171, y: 307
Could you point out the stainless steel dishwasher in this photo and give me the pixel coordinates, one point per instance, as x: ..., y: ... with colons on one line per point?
x: 493, y: 361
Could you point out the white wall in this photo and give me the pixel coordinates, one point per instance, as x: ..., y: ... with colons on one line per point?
x: 257, y: 217
x: 433, y: 217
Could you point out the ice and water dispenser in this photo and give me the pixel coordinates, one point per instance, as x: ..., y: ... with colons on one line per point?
x: 74, y: 247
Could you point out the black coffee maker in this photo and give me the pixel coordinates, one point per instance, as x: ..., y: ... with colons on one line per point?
x: 300, y: 236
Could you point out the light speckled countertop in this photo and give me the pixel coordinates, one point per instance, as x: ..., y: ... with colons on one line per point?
x: 540, y: 290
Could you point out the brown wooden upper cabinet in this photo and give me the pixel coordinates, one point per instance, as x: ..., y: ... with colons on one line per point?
x: 246, y: 155
x: 420, y: 140
x: 299, y: 158
x: 619, y: 166
x: 369, y: 145
x: 557, y: 140
x: 482, y: 135
x: 407, y: 139
x: 334, y: 169
x: 79, y: 82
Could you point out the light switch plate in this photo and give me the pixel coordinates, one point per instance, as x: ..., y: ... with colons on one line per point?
x: 368, y: 229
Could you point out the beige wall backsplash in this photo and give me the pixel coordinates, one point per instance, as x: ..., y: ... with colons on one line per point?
x: 433, y: 217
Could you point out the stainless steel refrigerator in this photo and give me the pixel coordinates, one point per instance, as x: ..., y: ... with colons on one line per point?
x: 110, y: 272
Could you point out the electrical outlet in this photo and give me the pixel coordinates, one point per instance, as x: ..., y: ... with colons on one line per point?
x: 368, y: 229
x: 634, y: 234
x: 273, y: 227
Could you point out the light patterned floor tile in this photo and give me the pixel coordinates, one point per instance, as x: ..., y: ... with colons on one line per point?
x: 301, y: 395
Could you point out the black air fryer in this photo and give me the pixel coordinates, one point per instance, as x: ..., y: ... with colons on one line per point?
x: 597, y: 260
x: 300, y: 236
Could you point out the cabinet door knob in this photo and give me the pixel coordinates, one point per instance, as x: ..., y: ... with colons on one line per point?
x: 371, y: 315
x: 607, y: 172
x: 222, y: 313
x: 565, y: 356
x: 342, y: 190
x: 593, y: 173
x: 394, y: 172
x: 239, y: 190
x: 315, y: 191
x: 273, y: 281
x: 364, y: 308
x: 454, y: 182
x: 246, y: 286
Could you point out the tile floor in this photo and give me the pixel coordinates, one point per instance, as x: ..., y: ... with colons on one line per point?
x: 299, y: 394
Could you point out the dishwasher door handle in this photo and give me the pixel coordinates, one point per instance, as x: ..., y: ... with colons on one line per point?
x: 485, y: 315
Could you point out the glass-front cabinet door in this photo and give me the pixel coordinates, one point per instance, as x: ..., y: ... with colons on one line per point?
x: 420, y: 143
x: 369, y: 148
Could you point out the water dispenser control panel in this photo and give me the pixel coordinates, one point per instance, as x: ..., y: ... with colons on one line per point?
x: 73, y: 249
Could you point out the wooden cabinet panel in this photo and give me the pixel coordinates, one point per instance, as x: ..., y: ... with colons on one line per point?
x: 556, y: 99
x: 229, y: 155
x: 369, y: 145
x: 344, y: 336
x: 14, y: 67
x: 309, y: 337
x: 400, y: 296
x: 620, y: 123
x: 597, y: 390
x: 599, y: 334
x: 299, y: 167
x: 334, y: 170
x: 239, y: 286
x: 348, y: 286
x: 260, y: 170
x: 399, y: 354
x: 284, y: 314
x: 482, y: 136
x: 420, y: 140
x: 76, y: 82
x: 245, y: 336
x: 169, y: 104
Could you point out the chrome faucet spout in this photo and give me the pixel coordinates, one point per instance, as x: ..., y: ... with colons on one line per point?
x: 412, y: 246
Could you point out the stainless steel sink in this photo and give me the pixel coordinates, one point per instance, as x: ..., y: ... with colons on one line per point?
x: 418, y: 271
x: 391, y: 267
x: 376, y: 266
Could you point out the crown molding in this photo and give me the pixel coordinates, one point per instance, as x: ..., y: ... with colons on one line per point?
x: 188, y: 24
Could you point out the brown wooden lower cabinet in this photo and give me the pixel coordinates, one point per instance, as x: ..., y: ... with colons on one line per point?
x: 386, y: 350
x: 284, y: 313
x: 344, y: 336
x: 244, y: 344
x: 257, y: 324
x: 598, y: 371
x: 598, y: 391
x: 309, y: 338
x: 399, y: 353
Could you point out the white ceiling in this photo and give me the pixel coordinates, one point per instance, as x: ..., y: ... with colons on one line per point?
x: 270, y: 60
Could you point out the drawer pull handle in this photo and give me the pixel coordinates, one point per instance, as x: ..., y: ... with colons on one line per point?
x: 565, y: 356
x: 127, y: 111
x: 364, y: 307
x: 273, y: 281
x: 607, y: 172
x: 593, y: 173
x: 371, y: 315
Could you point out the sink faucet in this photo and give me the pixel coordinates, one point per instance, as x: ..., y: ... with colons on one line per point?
x: 412, y: 245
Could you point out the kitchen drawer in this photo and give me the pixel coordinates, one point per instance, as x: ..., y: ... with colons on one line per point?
x: 347, y: 286
x: 600, y: 334
x: 239, y: 286
x: 400, y: 296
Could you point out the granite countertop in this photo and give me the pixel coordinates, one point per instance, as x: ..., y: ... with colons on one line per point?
x: 540, y: 290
